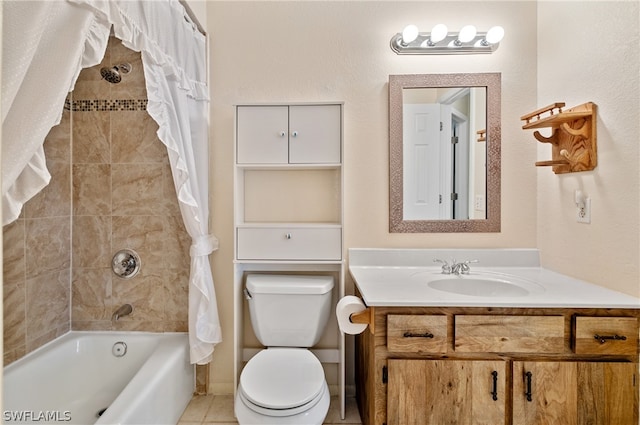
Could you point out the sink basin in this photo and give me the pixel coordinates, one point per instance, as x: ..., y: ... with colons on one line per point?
x: 483, y: 286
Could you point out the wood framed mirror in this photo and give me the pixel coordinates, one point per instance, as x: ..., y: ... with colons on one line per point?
x: 444, y: 153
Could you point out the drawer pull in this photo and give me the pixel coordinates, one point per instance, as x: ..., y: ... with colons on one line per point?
x: 604, y: 339
x: 412, y: 335
x: 528, y: 394
x: 494, y: 393
x: 287, y: 235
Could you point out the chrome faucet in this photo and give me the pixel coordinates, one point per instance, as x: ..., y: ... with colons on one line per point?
x: 124, y: 310
x: 455, y: 267
x: 446, y: 268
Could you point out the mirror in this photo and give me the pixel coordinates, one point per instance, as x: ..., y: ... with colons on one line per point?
x: 444, y: 153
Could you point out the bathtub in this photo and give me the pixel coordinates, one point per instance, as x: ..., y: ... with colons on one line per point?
x: 75, y: 377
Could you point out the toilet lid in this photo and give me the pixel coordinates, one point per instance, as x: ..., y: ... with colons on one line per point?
x: 282, y: 378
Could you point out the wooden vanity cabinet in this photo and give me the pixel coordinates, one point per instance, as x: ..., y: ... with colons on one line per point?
x: 489, y: 366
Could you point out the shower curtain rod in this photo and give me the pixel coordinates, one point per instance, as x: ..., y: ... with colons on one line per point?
x: 192, y: 17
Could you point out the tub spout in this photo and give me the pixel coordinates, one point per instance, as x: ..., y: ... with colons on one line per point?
x: 124, y: 310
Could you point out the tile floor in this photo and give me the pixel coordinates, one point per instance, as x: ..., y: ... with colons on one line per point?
x: 218, y: 409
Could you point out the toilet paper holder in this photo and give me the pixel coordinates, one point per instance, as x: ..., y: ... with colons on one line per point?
x: 364, y: 317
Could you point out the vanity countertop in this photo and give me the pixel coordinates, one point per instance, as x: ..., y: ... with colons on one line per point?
x: 400, y: 278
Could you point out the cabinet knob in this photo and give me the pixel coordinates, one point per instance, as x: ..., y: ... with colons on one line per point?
x: 287, y: 235
x: 283, y: 133
x: 294, y: 134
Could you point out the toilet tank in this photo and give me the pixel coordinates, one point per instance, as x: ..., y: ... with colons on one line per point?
x: 289, y: 310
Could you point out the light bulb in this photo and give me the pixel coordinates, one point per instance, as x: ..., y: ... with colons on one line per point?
x: 494, y: 35
x: 467, y: 33
x: 409, y: 34
x: 438, y: 33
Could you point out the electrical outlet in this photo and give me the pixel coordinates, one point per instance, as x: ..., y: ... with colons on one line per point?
x: 583, y: 214
x: 479, y: 203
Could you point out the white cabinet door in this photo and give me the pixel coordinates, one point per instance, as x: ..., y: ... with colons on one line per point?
x: 302, y: 134
x: 314, y: 134
x: 263, y: 134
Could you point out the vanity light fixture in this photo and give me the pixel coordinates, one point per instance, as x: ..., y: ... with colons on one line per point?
x: 440, y: 42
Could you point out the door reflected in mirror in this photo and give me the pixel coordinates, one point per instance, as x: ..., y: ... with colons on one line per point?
x: 444, y: 145
x: 444, y: 157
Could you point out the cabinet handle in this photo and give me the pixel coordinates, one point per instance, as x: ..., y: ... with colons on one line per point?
x: 494, y: 393
x: 294, y: 134
x: 287, y: 235
x: 412, y: 335
x: 283, y: 133
x: 604, y: 339
x: 528, y: 375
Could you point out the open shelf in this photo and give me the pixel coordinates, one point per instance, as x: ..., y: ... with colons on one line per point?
x: 573, y: 137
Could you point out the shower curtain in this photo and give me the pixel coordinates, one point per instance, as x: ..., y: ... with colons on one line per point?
x: 174, y: 59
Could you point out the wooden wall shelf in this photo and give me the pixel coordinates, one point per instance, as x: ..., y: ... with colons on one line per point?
x: 482, y: 135
x: 573, y: 138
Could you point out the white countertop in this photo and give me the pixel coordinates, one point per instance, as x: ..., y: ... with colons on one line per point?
x: 400, y: 278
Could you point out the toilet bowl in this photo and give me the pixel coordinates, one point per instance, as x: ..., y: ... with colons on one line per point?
x: 282, y: 386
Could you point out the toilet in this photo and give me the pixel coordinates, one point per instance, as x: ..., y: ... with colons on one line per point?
x: 285, y: 383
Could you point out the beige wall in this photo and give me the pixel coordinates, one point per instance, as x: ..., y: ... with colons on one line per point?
x: 339, y: 51
x: 592, y: 53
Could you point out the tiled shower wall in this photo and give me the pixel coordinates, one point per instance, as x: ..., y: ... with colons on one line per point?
x: 111, y: 189
x: 123, y: 197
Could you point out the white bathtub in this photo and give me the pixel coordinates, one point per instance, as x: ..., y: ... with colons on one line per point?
x: 72, y: 378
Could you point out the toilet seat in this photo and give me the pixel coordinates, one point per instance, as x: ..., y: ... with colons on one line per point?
x: 282, y: 381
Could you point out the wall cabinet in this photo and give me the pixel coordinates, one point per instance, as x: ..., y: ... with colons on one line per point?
x: 288, y: 197
x: 289, y: 134
x: 489, y: 366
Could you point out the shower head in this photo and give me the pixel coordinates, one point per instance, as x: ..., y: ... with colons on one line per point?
x: 114, y: 74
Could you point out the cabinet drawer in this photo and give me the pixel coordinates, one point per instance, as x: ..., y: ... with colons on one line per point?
x: 416, y: 333
x: 509, y: 334
x: 289, y: 243
x: 606, y: 335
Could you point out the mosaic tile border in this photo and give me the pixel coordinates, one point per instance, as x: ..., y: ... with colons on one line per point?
x: 96, y: 105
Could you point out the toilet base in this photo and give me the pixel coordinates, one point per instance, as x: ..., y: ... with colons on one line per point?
x: 314, y: 416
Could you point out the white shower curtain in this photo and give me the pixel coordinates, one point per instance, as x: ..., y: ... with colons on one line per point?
x: 174, y: 59
x: 38, y: 70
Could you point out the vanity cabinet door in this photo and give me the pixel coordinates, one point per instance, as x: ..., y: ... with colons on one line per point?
x: 446, y: 392
x: 575, y: 393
